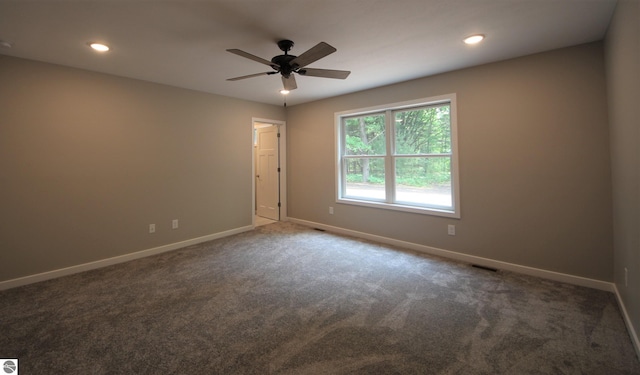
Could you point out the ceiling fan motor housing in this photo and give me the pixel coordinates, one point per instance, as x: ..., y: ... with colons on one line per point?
x: 283, y: 62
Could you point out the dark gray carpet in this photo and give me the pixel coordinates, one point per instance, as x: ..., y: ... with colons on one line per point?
x: 286, y: 299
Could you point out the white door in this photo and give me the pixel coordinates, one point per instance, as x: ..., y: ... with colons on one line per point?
x: 267, y: 181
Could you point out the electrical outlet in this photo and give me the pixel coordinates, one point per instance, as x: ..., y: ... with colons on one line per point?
x: 626, y: 277
x: 451, y: 229
x: 152, y: 228
x: 174, y: 224
x: 330, y: 210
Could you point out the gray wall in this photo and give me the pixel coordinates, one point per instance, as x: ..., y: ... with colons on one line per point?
x: 623, y: 85
x: 534, y: 163
x: 89, y: 160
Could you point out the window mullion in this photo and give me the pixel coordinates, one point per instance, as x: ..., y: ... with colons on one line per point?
x: 343, y: 161
x: 390, y: 176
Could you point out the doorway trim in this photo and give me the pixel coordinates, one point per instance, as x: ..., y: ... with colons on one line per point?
x: 282, y: 146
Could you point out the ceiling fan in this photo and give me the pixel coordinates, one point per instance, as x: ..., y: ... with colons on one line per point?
x: 287, y: 64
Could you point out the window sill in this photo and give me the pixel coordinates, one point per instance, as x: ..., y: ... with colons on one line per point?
x: 443, y: 212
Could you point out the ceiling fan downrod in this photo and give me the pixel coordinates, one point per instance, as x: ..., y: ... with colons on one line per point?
x: 282, y: 61
x: 285, y: 45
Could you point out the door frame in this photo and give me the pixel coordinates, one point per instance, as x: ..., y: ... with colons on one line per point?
x: 282, y: 149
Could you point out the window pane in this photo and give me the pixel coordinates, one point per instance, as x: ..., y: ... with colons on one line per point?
x: 423, y: 131
x: 424, y: 181
x: 365, y: 135
x: 365, y: 178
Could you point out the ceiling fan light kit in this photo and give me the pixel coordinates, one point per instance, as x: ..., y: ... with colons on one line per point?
x: 286, y: 65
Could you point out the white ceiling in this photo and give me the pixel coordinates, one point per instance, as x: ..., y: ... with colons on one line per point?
x: 183, y: 43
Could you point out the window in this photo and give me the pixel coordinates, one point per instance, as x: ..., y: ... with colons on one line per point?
x: 401, y: 157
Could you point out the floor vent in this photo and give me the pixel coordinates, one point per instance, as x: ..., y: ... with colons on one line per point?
x: 485, y: 268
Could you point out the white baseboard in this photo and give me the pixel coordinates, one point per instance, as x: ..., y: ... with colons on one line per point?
x: 115, y: 260
x: 549, y: 275
x: 627, y: 320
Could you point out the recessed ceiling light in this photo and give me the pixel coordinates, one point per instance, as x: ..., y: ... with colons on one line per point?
x: 474, y: 39
x: 284, y: 92
x: 99, y: 47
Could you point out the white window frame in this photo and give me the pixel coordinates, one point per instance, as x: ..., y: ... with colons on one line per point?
x: 389, y: 204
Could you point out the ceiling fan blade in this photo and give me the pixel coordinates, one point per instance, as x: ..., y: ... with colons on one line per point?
x: 317, y: 52
x: 325, y: 73
x: 250, y: 76
x: 289, y: 83
x: 252, y: 57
